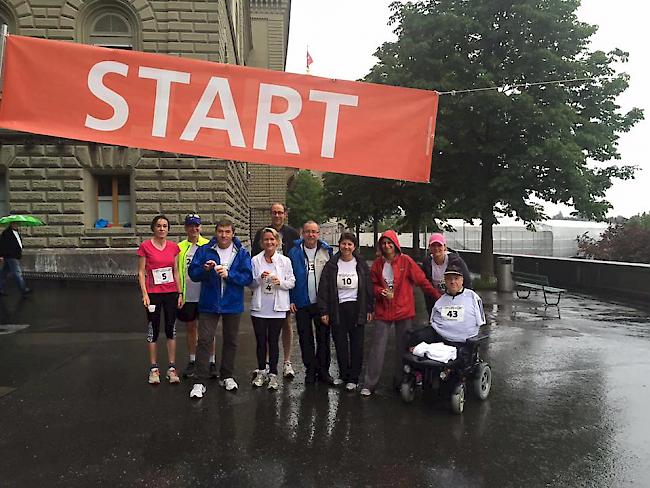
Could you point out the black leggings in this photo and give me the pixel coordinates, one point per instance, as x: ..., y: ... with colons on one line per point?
x: 267, y: 331
x: 348, y: 341
x: 168, y: 302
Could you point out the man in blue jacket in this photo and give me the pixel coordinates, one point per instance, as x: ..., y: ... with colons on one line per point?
x: 223, y: 266
x: 308, y: 258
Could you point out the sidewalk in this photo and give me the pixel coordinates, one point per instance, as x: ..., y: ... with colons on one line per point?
x: 568, y: 406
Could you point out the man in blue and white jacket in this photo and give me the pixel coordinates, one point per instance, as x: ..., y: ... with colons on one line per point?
x: 223, y: 266
x: 308, y: 257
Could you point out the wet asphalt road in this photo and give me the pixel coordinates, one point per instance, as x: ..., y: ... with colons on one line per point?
x: 568, y: 407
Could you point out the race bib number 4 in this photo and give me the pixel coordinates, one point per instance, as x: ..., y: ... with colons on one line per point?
x: 348, y: 281
x: 162, y: 275
x: 455, y: 314
x: 268, y: 288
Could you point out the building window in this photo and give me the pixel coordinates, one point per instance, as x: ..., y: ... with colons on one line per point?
x: 114, y: 199
x: 108, y: 23
x: 110, y: 29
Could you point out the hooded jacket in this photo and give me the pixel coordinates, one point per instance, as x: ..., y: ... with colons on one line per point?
x: 299, y: 295
x: 406, y: 274
x: 217, y: 295
x: 185, y: 246
x: 328, y: 291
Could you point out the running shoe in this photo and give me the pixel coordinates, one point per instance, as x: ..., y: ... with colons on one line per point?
x: 213, y: 370
x: 337, y: 382
x: 190, y: 370
x: 259, y: 378
x: 197, y: 391
x: 172, y: 375
x: 154, y: 376
x: 365, y: 392
x: 229, y: 384
x: 273, y: 382
x: 288, y: 371
x: 351, y: 386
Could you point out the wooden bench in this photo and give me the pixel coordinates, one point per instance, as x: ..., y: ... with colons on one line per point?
x: 527, y: 282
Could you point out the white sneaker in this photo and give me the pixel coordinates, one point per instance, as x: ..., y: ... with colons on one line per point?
x: 197, y: 391
x: 229, y: 384
x: 337, y: 382
x: 258, y: 379
x: 351, y: 386
x: 365, y: 392
x: 273, y: 382
x: 288, y: 371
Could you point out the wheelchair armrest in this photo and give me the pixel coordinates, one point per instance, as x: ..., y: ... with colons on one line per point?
x: 476, y: 339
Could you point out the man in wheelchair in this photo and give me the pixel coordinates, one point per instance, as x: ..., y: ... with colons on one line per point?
x: 455, y: 321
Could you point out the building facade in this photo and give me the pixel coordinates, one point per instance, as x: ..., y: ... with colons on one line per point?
x: 99, y: 196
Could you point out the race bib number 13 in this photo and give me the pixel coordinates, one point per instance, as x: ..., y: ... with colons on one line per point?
x: 162, y: 276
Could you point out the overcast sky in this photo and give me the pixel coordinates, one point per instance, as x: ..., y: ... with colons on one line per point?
x: 342, y: 35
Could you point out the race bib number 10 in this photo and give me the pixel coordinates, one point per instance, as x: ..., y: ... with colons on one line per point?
x: 163, y: 275
x: 348, y: 281
x: 455, y: 314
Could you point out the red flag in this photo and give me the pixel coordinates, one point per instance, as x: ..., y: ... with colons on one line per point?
x: 309, y: 60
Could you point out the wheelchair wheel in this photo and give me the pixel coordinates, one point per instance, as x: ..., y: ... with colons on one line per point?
x: 483, y: 381
x: 407, y: 389
x: 458, y: 399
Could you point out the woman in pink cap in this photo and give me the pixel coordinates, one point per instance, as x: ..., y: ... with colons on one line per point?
x: 435, y: 264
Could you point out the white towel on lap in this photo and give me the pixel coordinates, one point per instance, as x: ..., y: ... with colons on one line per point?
x: 437, y: 351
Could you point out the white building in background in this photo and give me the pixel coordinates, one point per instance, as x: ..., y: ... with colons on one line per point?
x: 556, y: 238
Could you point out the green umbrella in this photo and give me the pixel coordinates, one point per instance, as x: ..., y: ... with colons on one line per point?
x: 26, y: 220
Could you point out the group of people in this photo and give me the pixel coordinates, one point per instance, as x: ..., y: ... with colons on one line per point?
x: 333, y: 296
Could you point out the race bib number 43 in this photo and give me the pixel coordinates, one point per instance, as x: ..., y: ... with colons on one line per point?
x: 163, y: 275
x: 456, y: 314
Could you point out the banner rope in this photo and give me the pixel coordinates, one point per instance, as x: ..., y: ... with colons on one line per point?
x: 516, y: 85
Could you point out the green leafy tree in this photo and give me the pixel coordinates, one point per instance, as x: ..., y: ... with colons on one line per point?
x: 358, y: 199
x: 305, y: 199
x: 628, y: 241
x: 499, y: 151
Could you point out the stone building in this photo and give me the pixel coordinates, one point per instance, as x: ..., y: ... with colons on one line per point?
x: 70, y: 185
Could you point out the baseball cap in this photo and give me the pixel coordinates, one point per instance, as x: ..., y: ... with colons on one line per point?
x: 192, y: 219
x: 453, y: 268
x: 439, y: 238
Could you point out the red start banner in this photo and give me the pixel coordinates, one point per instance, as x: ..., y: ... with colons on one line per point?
x: 187, y: 106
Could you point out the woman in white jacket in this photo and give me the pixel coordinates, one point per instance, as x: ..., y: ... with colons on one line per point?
x: 272, y: 280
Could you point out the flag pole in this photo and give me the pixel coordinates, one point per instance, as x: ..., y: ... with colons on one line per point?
x: 4, y: 31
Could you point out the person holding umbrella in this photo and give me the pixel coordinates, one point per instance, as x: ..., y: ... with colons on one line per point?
x: 11, y: 250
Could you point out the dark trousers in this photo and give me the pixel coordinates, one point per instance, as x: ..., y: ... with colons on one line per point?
x: 315, y: 355
x: 207, y: 328
x: 267, y: 334
x: 348, y: 340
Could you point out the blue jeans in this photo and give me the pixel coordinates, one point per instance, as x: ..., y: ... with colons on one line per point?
x: 12, y: 265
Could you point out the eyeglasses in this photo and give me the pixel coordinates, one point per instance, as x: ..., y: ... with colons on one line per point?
x: 277, y: 212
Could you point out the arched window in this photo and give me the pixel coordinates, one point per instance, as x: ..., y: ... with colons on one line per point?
x: 111, y: 29
x: 108, y: 23
x: 6, y: 17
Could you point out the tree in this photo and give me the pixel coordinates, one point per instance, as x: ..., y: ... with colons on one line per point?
x: 358, y: 199
x: 628, y: 241
x: 305, y: 199
x: 498, y: 149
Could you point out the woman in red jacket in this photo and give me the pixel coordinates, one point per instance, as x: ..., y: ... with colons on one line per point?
x: 393, y: 275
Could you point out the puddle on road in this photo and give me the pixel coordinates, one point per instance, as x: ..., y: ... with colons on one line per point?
x: 11, y: 328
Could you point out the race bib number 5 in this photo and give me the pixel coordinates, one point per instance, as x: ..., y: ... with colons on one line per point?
x: 455, y: 314
x: 163, y: 275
